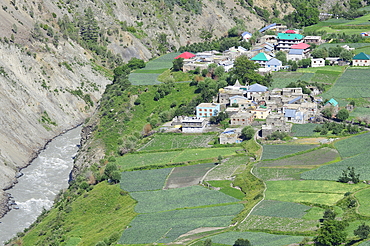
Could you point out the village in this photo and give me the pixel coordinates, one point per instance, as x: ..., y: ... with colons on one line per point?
x: 270, y: 109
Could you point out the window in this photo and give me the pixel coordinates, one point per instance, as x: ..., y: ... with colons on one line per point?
x: 205, y: 110
x: 210, y: 110
x: 200, y: 109
x: 200, y: 114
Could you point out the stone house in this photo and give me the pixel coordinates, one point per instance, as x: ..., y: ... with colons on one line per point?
x: 242, y: 118
x: 230, y: 136
x: 275, y: 122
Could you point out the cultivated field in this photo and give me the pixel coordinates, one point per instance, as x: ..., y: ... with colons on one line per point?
x: 256, y: 238
x: 165, y: 227
x: 352, y: 84
x: 149, y: 74
x: 193, y: 196
x: 271, y: 174
x: 227, y: 169
x: 280, y: 150
x: 304, y: 130
x: 281, y: 209
x: 137, y: 160
x: 165, y: 141
x: 144, y: 180
x: 187, y: 175
x: 311, y: 191
x: 225, y: 187
x: 283, y: 79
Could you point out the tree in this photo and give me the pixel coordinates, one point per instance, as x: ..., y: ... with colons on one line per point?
x: 177, y: 64
x: 362, y: 231
x: 346, y: 55
x: 329, y: 214
x: 281, y: 56
x: 349, y: 175
x: 89, y: 27
x: 332, y: 232
x: 305, y: 62
x: 327, y: 112
x: 242, y: 242
x: 342, y: 115
x: 319, y: 53
x: 244, y: 70
x: 208, y: 242
x: 247, y: 133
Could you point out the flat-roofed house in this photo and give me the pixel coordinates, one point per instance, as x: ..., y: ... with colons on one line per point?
x: 207, y: 110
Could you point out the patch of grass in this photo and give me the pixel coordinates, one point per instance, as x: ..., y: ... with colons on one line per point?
x: 226, y: 188
x: 86, y: 211
x: 309, y: 191
x: 144, y: 78
x: 364, y: 203
x: 178, y: 76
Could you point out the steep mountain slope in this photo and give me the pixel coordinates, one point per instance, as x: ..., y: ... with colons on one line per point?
x: 50, y: 79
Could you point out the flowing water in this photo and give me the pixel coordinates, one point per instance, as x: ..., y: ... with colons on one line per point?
x: 41, y: 182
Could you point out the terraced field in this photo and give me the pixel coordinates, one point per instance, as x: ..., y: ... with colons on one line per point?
x: 164, y: 141
x: 280, y: 150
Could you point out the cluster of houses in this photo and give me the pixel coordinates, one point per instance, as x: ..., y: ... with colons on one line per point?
x: 244, y: 104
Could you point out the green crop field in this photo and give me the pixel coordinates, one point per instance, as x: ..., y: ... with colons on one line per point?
x: 325, y: 76
x: 363, y: 199
x: 130, y: 161
x: 256, y: 238
x: 165, y: 227
x: 334, y: 171
x: 268, y: 173
x: 144, y: 180
x: 304, y: 130
x: 149, y: 74
x: 280, y: 150
x: 164, y: 141
x: 360, y: 112
x: 311, y: 191
x: 352, y: 84
x: 284, y: 224
x: 187, y: 175
x: 322, y: 155
x: 282, y: 79
x: 353, y: 145
x: 280, y: 209
x: 193, y: 196
x: 227, y: 168
x: 200, y: 154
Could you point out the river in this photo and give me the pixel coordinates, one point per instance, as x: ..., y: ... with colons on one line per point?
x: 42, y: 180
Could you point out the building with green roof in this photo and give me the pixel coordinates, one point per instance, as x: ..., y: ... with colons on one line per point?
x: 261, y: 58
x: 286, y: 40
x: 361, y: 59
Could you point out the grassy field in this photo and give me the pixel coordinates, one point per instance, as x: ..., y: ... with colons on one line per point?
x: 256, y: 238
x: 166, y: 141
x: 227, y: 168
x: 309, y: 191
x: 280, y: 150
x: 144, y: 180
x: 282, y: 79
x: 363, y: 199
x: 130, y: 161
x: 85, y: 214
x: 194, y: 196
x: 165, y: 227
x: 226, y: 188
x: 187, y: 175
x: 353, y: 145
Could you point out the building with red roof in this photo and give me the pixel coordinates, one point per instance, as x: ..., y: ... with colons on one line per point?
x: 300, y: 46
x: 185, y: 55
x: 290, y: 31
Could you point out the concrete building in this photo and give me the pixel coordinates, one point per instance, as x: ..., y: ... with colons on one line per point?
x: 230, y: 136
x: 286, y: 40
x: 274, y: 64
x: 207, y: 110
x: 317, y: 62
x: 242, y: 118
x: 361, y: 59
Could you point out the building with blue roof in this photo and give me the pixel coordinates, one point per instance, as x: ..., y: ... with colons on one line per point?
x: 295, y: 55
x: 274, y: 64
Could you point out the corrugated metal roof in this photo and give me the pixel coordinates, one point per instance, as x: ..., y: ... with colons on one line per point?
x: 361, y: 56
x: 287, y: 36
x: 257, y: 88
x: 274, y: 62
x: 290, y: 113
x: 295, y: 100
x: 295, y: 52
x: 267, y: 27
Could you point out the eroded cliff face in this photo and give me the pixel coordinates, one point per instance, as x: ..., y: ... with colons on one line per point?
x: 40, y: 98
